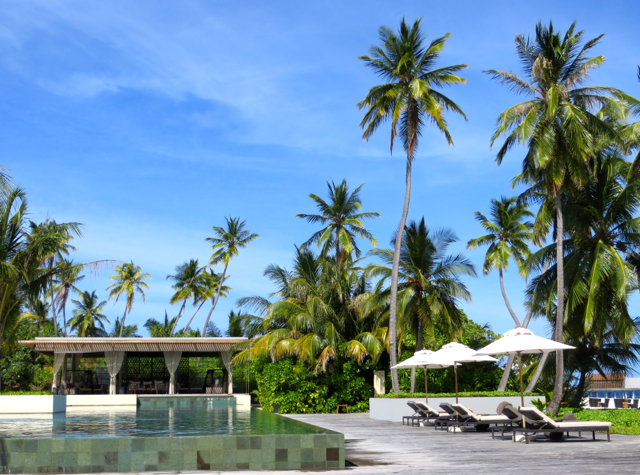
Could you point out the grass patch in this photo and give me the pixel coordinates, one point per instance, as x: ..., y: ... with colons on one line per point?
x: 467, y: 394
x: 623, y: 421
x: 25, y: 393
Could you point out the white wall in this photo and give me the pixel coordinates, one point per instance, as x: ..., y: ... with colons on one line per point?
x: 632, y: 383
x: 102, y: 400
x: 33, y: 404
x: 387, y: 409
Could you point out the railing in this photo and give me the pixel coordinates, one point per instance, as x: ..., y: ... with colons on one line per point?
x: 606, y: 383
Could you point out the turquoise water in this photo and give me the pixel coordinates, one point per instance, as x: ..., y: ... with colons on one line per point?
x: 156, y: 417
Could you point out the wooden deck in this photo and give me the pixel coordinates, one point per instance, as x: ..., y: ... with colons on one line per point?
x: 386, y: 447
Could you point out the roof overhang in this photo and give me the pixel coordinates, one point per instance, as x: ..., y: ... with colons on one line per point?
x: 139, y: 345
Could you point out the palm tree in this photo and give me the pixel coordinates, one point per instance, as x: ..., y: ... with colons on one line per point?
x: 407, y: 100
x: 601, y: 228
x: 342, y: 220
x: 188, y: 284
x: 63, y: 233
x: 126, y: 331
x: 314, y: 318
x: 129, y: 280
x: 226, y: 245
x: 87, y: 318
x: 559, y: 127
x: 22, y: 257
x: 507, y: 238
x: 430, y: 287
x: 158, y: 329
x: 207, y: 290
x: 64, y: 283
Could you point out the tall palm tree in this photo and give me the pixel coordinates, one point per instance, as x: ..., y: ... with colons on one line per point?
x: 129, y: 280
x: 206, y: 291
x: 343, y: 222
x: 188, y: 285
x: 64, y: 283
x: 559, y: 127
x: 407, y: 99
x: 226, y: 245
x: 508, y: 237
x: 87, y: 318
x: 430, y: 287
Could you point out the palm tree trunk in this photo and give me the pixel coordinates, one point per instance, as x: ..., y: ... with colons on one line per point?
x: 418, y: 348
x: 215, y: 302
x: 194, y: 314
x: 173, y: 327
x: 538, y: 372
x: 506, y: 373
x: 507, y: 368
x: 506, y: 300
x: 124, y: 316
x: 64, y: 319
x: 53, y: 312
x: 577, y: 399
x: 554, y: 406
x: 393, y: 299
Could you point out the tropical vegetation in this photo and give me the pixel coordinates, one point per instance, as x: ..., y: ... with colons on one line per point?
x: 344, y: 308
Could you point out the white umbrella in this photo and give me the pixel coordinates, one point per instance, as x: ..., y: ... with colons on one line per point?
x: 521, y: 340
x: 459, y: 353
x: 424, y: 359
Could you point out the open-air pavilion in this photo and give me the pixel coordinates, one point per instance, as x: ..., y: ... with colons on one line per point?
x: 174, y: 363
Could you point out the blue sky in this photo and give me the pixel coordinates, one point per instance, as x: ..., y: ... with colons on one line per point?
x: 151, y: 121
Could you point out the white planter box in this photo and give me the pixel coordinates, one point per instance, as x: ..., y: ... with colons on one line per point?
x: 387, y: 409
x: 102, y: 400
x: 33, y: 404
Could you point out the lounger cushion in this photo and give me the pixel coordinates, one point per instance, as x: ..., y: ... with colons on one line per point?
x: 535, y: 414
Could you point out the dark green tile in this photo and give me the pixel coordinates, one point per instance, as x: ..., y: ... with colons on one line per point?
x: 256, y: 443
x: 164, y: 456
x: 111, y: 458
x: 320, y: 442
x: 229, y: 443
x: 243, y: 443
x: 242, y: 466
x: 150, y: 467
x: 333, y: 454
x: 282, y: 455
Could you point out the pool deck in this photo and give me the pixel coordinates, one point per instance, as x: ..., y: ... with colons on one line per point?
x: 380, y: 447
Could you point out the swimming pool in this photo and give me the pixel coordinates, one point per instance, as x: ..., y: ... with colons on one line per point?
x: 165, y: 433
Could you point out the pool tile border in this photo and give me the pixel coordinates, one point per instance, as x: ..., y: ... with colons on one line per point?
x: 260, y: 452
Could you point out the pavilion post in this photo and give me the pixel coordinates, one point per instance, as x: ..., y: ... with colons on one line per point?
x: 114, y: 360
x: 172, y: 360
x: 226, y: 360
x: 58, y: 360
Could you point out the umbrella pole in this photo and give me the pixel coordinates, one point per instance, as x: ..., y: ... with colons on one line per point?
x: 455, y: 371
x: 520, y: 371
x: 426, y: 390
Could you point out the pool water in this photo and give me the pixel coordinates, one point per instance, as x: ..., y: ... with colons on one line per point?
x: 156, y: 417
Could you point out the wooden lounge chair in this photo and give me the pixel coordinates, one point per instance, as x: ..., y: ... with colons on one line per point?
x: 595, y: 402
x: 430, y: 415
x: 537, y: 422
x: 468, y: 418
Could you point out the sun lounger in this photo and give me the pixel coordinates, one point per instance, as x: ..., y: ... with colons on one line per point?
x: 515, y: 421
x: 466, y: 417
x: 423, y: 413
x: 536, y: 422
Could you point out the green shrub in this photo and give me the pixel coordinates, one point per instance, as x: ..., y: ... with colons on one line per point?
x: 623, y: 421
x: 463, y: 394
x: 296, y: 389
x: 24, y: 393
